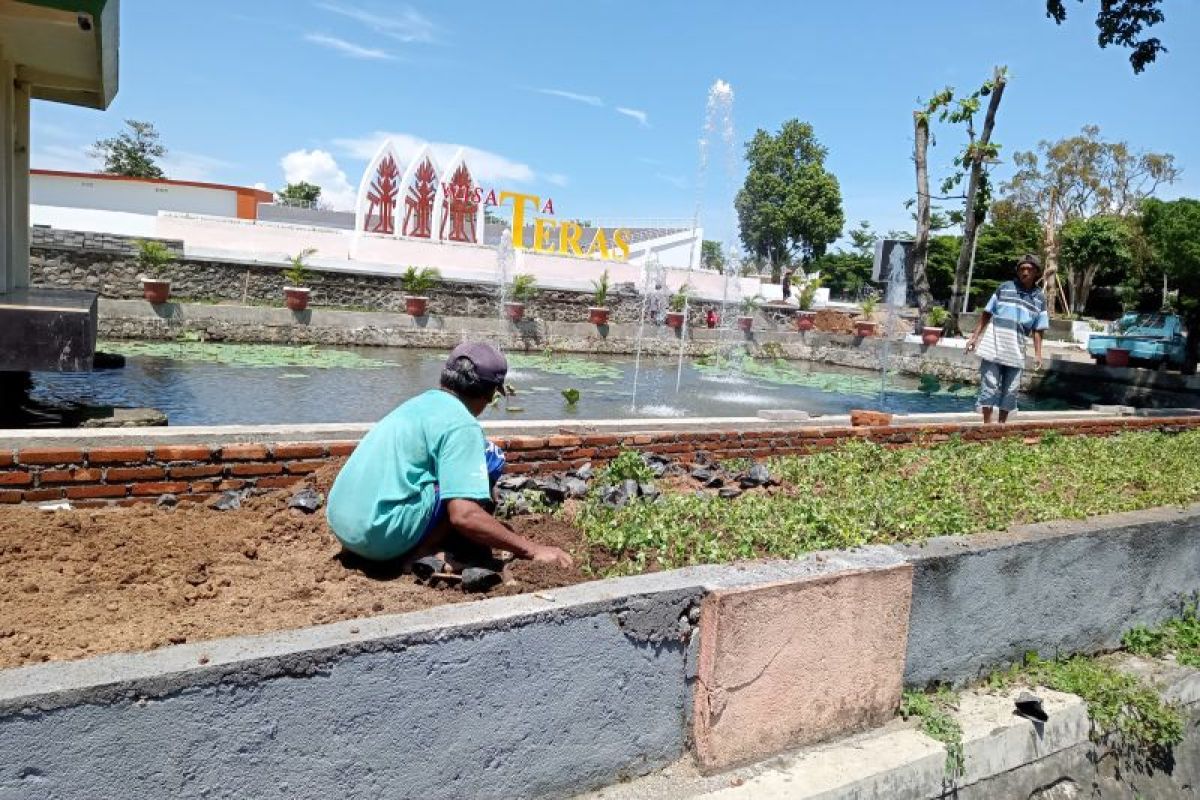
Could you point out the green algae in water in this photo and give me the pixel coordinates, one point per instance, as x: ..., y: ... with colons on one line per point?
x: 246, y: 355
x: 783, y: 372
x: 559, y: 364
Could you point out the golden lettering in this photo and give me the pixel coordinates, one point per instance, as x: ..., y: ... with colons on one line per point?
x: 599, y: 243
x: 621, y: 240
x: 518, y: 216
x: 568, y: 239
x: 543, y: 229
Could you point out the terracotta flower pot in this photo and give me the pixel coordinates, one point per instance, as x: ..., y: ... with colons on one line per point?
x: 931, y: 335
x: 864, y: 328
x: 296, y: 297
x: 745, y: 323
x: 416, y: 306
x: 156, y: 291
x: 598, y: 315
x: 1116, y: 357
x: 675, y: 319
x: 806, y: 321
x: 869, y: 419
x: 514, y: 311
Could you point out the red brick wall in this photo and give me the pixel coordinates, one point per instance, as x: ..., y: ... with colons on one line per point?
x: 129, y: 474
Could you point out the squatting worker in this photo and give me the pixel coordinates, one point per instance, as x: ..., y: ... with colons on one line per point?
x: 420, y: 477
x: 1016, y: 312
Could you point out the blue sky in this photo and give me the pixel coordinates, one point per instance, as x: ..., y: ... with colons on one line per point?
x: 600, y: 105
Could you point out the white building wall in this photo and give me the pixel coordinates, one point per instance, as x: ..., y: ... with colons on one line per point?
x: 129, y: 196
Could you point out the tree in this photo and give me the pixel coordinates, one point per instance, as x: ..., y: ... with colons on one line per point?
x: 132, y: 153
x: 790, y: 204
x: 1122, y: 22
x: 846, y: 272
x: 1092, y: 247
x: 920, y: 252
x: 1009, y: 232
x: 1080, y: 177
x: 711, y: 256
x: 300, y: 193
x: 972, y: 159
x: 1172, y: 231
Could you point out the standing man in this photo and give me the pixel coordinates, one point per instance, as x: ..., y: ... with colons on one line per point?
x: 785, y: 283
x: 1016, y: 312
x: 418, y: 482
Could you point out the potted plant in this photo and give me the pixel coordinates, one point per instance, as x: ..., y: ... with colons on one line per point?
x: 295, y: 293
x: 598, y: 314
x: 935, y: 322
x: 807, y: 319
x: 745, y: 320
x: 521, y: 291
x: 153, y: 258
x: 678, y: 303
x: 416, y: 284
x: 866, y: 325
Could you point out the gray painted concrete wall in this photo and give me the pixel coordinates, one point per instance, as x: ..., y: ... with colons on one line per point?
x: 1061, y: 587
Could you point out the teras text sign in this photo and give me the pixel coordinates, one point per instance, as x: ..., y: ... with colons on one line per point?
x: 562, y: 238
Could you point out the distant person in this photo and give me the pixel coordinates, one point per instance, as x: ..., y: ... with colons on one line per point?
x: 420, y: 482
x: 711, y: 319
x: 785, y: 284
x: 1016, y: 312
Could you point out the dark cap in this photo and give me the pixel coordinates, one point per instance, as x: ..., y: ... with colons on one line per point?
x: 1030, y: 258
x: 490, y: 365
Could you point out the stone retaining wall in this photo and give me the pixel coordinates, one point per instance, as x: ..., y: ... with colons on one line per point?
x: 126, y: 474
x: 562, y: 691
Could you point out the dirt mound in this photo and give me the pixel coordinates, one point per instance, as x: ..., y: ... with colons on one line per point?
x: 830, y: 321
x: 83, y: 582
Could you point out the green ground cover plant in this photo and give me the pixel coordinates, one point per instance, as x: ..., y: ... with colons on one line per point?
x: 936, y: 710
x: 780, y: 371
x: 561, y: 364
x: 1179, y: 636
x: 1121, y: 706
x: 863, y: 493
x: 244, y: 355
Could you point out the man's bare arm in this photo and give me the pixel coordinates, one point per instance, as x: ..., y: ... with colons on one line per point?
x: 469, y: 519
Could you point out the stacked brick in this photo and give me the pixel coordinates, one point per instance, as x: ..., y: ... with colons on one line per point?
x: 196, y: 472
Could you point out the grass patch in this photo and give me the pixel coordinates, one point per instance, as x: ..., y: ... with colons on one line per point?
x: 245, y: 355
x: 936, y: 710
x: 1179, y: 636
x: 863, y: 493
x: 1120, y: 705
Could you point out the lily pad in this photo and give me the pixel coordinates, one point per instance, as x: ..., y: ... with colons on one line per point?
x: 245, y: 355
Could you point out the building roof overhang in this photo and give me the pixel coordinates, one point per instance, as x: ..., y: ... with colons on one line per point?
x: 64, y: 50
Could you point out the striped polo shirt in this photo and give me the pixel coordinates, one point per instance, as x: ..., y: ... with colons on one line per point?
x: 1016, y: 313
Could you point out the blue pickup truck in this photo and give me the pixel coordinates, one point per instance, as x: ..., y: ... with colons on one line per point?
x: 1153, y: 339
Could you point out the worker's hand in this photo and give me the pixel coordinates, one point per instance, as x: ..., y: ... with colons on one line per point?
x: 972, y: 343
x: 545, y: 554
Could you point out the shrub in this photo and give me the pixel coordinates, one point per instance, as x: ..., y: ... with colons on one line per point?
x: 600, y: 296
x: 749, y: 305
x: 298, y: 273
x: 419, y: 281
x: 524, y: 288
x: 868, y: 306
x: 153, y: 257
x: 808, y: 294
x: 680, y: 298
x: 628, y: 465
x: 936, y: 318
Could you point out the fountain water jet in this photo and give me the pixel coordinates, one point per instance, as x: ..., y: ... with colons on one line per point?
x: 896, y: 297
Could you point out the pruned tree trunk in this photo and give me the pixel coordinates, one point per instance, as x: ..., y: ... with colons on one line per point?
x: 1050, y: 283
x: 921, y: 243
x: 970, y: 218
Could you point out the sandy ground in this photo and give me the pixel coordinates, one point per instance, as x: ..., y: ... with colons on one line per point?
x: 78, y: 583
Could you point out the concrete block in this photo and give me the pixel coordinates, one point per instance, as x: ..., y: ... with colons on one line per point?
x: 982, y: 601
x: 798, y: 661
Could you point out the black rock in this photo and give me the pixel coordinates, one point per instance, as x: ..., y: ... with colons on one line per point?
x: 230, y: 501
x: 757, y: 475
x: 730, y: 492
x: 514, y: 483
x: 167, y: 501
x: 584, y: 473
x: 1030, y: 706
x: 658, y: 464
x: 307, y: 500
x: 551, y: 488
x: 620, y: 495
x: 478, y: 579
x: 715, y: 482
x: 701, y: 474
x: 649, y: 491
x: 575, y: 486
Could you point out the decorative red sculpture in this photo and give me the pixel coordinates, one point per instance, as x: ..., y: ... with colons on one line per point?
x: 382, y: 196
x: 460, y: 205
x: 418, y: 204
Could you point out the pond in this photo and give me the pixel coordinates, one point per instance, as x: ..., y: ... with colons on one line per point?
x: 219, y: 384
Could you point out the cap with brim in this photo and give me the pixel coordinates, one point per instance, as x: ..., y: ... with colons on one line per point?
x: 490, y: 364
x: 1031, y: 259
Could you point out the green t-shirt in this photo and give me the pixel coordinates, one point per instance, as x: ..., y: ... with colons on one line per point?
x: 384, y: 497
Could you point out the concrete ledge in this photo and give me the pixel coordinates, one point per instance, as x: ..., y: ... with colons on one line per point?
x: 1060, y: 587
x: 794, y: 662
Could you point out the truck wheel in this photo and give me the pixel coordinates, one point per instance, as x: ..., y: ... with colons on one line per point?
x: 1101, y: 360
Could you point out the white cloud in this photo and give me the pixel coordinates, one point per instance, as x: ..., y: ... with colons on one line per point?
x: 184, y: 166
x: 675, y: 180
x: 634, y: 113
x: 556, y: 178
x: 349, y: 48
x: 319, y: 167
x: 486, y: 165
x: 262, y: 187
x: 404, y: 23
x: 588, y: 99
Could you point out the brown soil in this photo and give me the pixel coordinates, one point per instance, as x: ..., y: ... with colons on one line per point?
x: 830, y: 321
x: 79, y: 583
